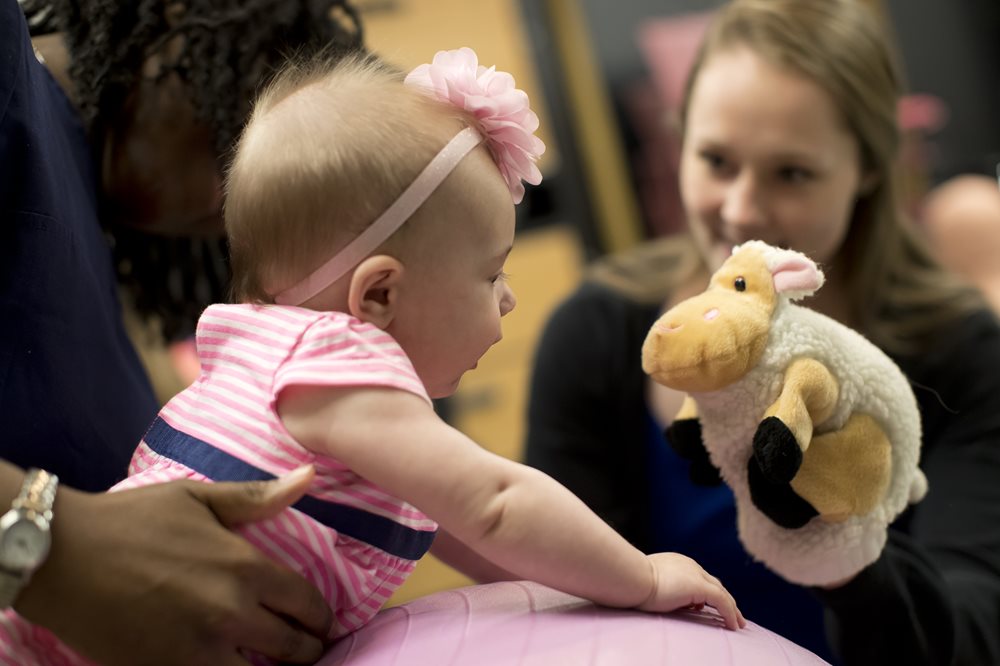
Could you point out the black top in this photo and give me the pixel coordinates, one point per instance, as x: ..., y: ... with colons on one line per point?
x: 933, y: 597
x: 74, y: 398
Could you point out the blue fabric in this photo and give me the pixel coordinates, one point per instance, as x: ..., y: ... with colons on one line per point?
x: 202, y: 457
x: 74, y: 398
x: 700, y: 522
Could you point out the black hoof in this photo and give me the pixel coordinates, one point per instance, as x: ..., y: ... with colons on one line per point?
x: 704, y: 473
x: 684, y: 437
x: 778, y: 501
x: 776, y: 451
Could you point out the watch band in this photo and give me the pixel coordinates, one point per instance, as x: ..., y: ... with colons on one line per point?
x: 38, y: 493
x: 11, y: 583
x: 33, y: 504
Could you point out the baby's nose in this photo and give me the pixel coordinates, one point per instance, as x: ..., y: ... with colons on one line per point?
x: 508, y: 302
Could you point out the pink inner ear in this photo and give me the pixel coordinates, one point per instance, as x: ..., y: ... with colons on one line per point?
x: 796, y: 275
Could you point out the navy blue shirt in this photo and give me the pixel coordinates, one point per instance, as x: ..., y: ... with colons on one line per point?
x: 74, y: 398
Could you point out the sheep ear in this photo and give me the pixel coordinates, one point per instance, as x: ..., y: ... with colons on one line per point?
x: 796, y: 276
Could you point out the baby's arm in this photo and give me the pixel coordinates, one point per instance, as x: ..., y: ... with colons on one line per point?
x: 514, y: 516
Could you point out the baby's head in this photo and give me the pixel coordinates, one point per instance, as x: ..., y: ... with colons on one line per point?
x: 326, y: 151
x: 331, y: 165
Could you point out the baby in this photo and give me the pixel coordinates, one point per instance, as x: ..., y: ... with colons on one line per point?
x: 370, y: 219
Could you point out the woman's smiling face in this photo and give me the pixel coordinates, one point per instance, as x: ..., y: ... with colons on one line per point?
x: 768, y: 156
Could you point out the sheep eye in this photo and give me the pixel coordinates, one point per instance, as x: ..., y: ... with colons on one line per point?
x: 740, y: 284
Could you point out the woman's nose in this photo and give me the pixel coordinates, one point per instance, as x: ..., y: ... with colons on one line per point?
x: 507, y: 301
x: 742, y: 205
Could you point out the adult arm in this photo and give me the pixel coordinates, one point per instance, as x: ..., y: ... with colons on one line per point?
x: 587, y: 420
x: 933, y: 597
x: 155, y: 571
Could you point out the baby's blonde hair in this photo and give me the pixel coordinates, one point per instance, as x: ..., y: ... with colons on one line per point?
x: 328, y: 147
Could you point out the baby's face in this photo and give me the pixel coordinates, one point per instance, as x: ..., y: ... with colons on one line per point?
x: 455, y: 291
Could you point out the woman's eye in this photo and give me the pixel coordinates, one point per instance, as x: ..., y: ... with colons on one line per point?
x: 713, y: 160
x: 794, y: 174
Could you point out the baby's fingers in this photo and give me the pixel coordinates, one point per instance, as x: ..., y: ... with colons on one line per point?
x: 719, y: 598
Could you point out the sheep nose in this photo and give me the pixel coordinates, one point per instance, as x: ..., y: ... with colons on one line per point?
x: 711, y: 314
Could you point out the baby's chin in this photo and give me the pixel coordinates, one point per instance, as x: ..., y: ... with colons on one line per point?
x: 444, y: 389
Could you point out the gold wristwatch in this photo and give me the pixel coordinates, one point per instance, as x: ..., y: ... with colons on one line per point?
x: 24, y: 533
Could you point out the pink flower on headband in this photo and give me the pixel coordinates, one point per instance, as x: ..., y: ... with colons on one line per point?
x: 503, y: 111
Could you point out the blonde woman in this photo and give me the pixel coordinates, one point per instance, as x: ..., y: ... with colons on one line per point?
x: 789, y: 136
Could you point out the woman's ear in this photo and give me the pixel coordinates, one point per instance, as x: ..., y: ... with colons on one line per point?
x: 373, y: 294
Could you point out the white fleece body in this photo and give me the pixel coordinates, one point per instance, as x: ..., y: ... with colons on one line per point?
x: 870, y: 383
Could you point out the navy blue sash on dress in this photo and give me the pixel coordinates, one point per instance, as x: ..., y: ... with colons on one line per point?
x: 202, y: 457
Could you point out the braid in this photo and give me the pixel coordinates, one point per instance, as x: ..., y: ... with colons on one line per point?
x: 41, y: 19
x: 229, y: 48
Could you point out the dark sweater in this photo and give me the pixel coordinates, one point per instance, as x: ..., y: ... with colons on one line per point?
x: 74, y: 398
x: 933, y: 597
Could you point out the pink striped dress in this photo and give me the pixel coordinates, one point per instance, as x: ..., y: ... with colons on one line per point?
x: 354, y: 541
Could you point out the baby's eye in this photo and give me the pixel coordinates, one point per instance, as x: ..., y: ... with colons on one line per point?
x: 500, y: 277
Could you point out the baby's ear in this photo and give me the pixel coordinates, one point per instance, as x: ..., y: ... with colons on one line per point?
x: 374, y: 292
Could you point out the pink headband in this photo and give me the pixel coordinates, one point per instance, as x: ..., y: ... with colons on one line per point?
x: 503, y: 113
x: 387, y: 223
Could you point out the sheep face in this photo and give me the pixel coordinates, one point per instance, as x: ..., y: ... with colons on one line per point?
x: 711, y: 340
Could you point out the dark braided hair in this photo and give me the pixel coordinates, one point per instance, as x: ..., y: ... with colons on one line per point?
x: 228, y: 49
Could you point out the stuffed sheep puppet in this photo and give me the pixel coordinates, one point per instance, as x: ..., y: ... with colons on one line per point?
x: 816, y: 430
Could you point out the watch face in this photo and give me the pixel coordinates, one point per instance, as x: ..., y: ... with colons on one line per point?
x: 23, y: 545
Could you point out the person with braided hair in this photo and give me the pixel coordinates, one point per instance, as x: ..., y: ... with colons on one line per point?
x: 115, y: 120
x: 161, y: 90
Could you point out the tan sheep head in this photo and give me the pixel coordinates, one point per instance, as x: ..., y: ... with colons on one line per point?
x: 713, y: 339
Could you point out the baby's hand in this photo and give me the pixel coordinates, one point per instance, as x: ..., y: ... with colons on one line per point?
x: 680, y: 582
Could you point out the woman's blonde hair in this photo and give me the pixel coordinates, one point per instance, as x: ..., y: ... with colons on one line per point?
x: 328, y: 147
x: 900, y: 295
